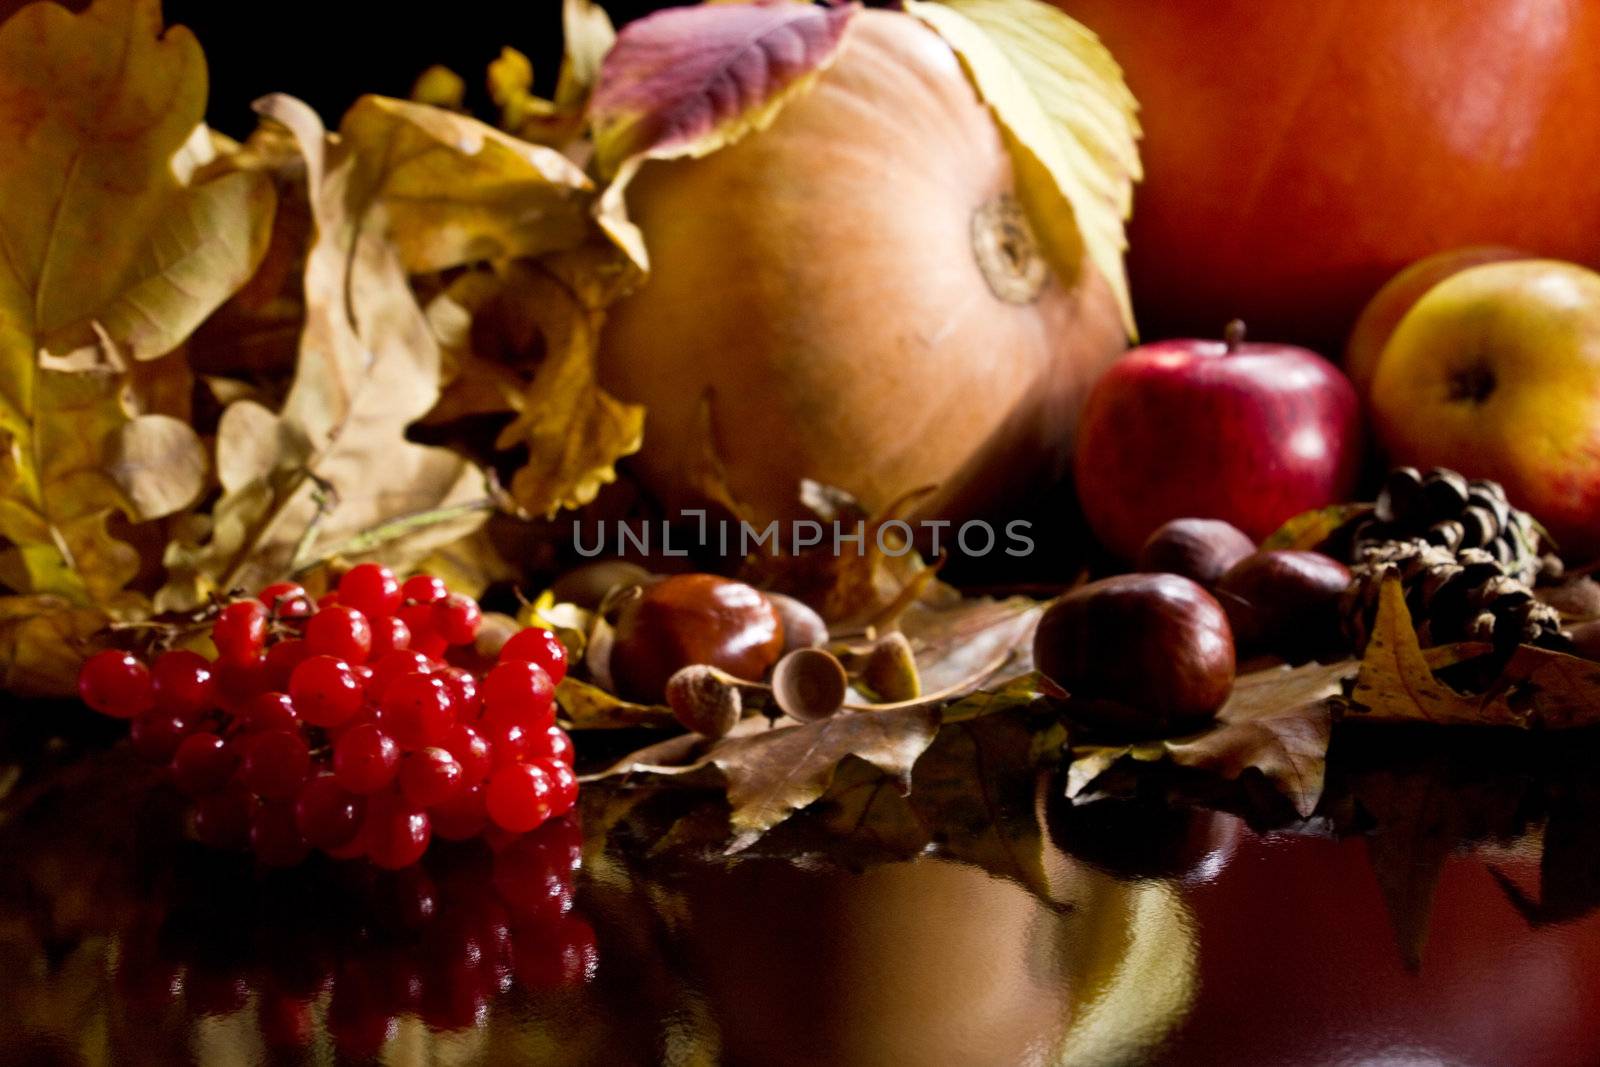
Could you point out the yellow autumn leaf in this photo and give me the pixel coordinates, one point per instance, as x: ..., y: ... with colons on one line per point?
x: 589, y: 35
x: 1070, y: 122
x: 108, y: 255
x: 331, y: 472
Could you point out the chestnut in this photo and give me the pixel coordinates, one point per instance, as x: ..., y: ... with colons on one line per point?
x: 692, y: 619
x: 1285, y: 602
x: 1147, y: 654
x: 1198, y: 549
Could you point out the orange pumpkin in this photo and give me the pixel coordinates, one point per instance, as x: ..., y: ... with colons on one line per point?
x: 1298, y: 154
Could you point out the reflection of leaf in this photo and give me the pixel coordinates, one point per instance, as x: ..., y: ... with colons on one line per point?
x: 334, y: 462
x: 1309, y: 529
x: 1276, y: 723
x: 1069, y: 122
x: 107, y: 254
x: 689, y: 80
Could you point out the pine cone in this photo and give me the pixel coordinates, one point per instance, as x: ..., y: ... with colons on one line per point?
x: 1446, y: 510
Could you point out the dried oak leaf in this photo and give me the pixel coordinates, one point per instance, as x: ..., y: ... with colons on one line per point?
x: 112, y: 249
x: 332, y: 470
x: 1276, y: 723
x: 770, y: 772
x: 1310, y: 529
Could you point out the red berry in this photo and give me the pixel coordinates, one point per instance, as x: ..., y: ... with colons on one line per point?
x: 328, y: 599
x: 327, y: 814
x: 537, y: 645
x: 274, y: 764
x: 325, y: 691
x: 553, y: 743
x: 519, y: 692
x: 235, y: 684
x: 430, y: 776
x: 456, y: 618
x: 182, y: 682
x: 395, y: 833
x: 274, y: 837
x: 418, y: 710
x: 115, y: 683
x: 372, y: 589
x: 519, y: 797
x: 423, y: 589
x: 340, y: 631
x: 463, y: 691
x: 202, y: 763
x: 282, y: 658
x: 221, y: 819
x: 393, y: 667
x: 389, y: 634
x: 240, y: 631
x: 365, y: 759
x: 508, y: 742
x: 463, y: 816
x: 471, y: 750
x: 269, y: 711
x: 155, y: 735
x: 563, y: 785
x: 286, y: 600
x: 354, y: 849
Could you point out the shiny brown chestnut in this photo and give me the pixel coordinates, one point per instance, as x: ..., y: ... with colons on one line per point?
x: 1199, y: 549
x: 689, y: 619
x: 1148, y: 654
x: 1285, y: 602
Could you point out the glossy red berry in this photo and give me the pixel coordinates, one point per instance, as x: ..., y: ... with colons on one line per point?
x: 391, y: 668
x: 471, y: 751
x: 463, y: 816
x: 286, y: 600
x: 221, y: 819
x: 236, y: 684
x: 340, y: 631
x: 182, y: 682
x: 423, y: 589
x: 463, y: 692
x: 240, y: 632
x: 508, y: 742
x: 365, y: 759
x: 430, y: 776
x: 518, y: 692
x: 156, y: 734
x: 537, y: 645
x: 325, y: 691
x: 327, y: 814
x: 456, y: 618
x: 553, y: 743
x: 115, y: 683
x: 269, y: 711
x: 563, y: 785
x: 202, y: 763
x: 274, y: 764
x: 389, y: 634
x: 418, y: 710
x: 519, y: 797
x: 372, y: 589
x: 395, y: 833
x: 281, y: 660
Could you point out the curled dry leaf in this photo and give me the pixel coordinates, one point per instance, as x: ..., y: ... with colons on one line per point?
x: 1070, y: 119
x: 589, y: 35
x: 1309, y: 530
x: 332, y: 471
x: 589, y: 707
x: 109, y: 255
x: 809, y: 684
x: 1276, y: 723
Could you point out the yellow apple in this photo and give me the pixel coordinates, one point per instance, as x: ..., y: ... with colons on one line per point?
x: 1495, y: 372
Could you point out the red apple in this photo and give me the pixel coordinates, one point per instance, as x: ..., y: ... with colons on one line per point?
x: 1249, y: 433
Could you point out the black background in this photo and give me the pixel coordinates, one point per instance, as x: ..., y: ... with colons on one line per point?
x: 331, y: 52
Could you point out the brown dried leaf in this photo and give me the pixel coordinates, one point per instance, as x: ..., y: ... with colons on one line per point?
x: 1309, y: 529
x: 1276, y: 723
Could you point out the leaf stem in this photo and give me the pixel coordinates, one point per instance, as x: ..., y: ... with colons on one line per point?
x: 394, y: 529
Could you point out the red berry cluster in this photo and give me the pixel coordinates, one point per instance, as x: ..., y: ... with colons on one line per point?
x: 340, y: 725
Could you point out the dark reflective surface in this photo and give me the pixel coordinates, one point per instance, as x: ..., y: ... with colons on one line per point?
x: 1438, y: 910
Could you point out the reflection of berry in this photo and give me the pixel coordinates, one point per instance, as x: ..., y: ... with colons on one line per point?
x: 334, y: 724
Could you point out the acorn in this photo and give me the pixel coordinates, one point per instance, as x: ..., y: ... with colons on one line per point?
x: 1199, y: 549
x: 1138, y: 654
x: 692, y: 619
x: 1286, y: 603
